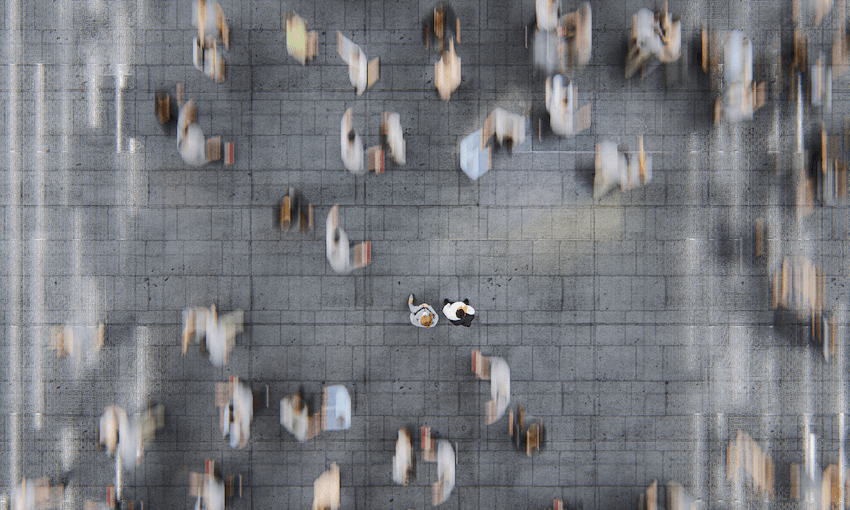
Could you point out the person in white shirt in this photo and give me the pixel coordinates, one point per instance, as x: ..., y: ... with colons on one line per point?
x: 445, y: 483
x: 190, y: 136
x: 422, y: 316
x: 239, y: 423
x: 351, y: 145
x: 358, y: 66
x: 391, y: 129
x: 403, y: 458
x: 459, y: 313
x: 500, y: 389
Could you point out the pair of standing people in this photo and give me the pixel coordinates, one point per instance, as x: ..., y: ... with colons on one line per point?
x: 458, y: 313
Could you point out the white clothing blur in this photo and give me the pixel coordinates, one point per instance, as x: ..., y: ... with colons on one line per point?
x: 500, y: 384
x: 190, y: 138
x: 243, y: 414
x: 547, y: 14
x: 446, y: 467
x: 403, y: 458
x: 561, y: 106
x: 353, y: 55
x: 295, y: 421
x: 395, y: 139
x: 352, y: 152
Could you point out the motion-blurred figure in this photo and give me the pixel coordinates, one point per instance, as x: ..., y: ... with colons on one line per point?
x: 394, y: 137
x: 403, y: 458
x: 447, y: 73
x: 125, y: 436
x: 294, y: 209
x: 209, y: 489
x: 36, y: 495
x: 295, y: 418
x: 337, y: 246
x: 500, y: 390
x: 216, y: 335
x: 548, y: 13
x: 193, y: 148
x: 326, y: 490
x: 442, y: 488
x: 238, y: 414
x: 422, y: 316
x: 300, y: 44
x: 730, y: 61
x: 82, y: 344
x: 561, y: 105
x: 441, y: 24
x: 653, y: 34
x: 506, y: 127
x: 351, y: 145
x: 577, y: 29
x: 362, y: 73
x: 614, y: 167
x: 208, y: 18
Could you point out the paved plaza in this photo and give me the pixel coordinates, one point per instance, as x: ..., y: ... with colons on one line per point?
x: 638, y: 327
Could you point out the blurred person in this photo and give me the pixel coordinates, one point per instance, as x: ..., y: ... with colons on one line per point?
x: 300, y: 44
x: 500, y: 389
x: 362, y: 73
x: 165, y: 108
x: 208, y: 18
x: 326, y: 490
x: 507, y: 127
x: 653, y: 34
x: 351, y: 145
x: 447, y: 73
x: 80, y: 342
x: 240, y: 413
x: 459, y: 313
x: 577, y: 29
x: 422, y: 316
x: 190, y: 137
x: 561, y: 105
x: 442, y: 24
x: 394, y: 137
x: 442, y: 488
x: 295, y: 417
x: 548, y: 13
x: 209, y: 488
x: 215, y: 334
x: 337, y: 247
x: 294, y: 209
x: 403, y: 458
x: 36, y: 495
x: 614, y: 167
x: 207, y: 58
x: 124, y: 436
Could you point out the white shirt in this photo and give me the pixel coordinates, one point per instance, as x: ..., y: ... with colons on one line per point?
x: 450, y: 310
x: 446, y: 467
x: 500, y: 384
x: 190, y: 143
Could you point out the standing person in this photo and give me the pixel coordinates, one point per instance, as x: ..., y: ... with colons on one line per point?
x: 422, y: 316
x: 459, y: 313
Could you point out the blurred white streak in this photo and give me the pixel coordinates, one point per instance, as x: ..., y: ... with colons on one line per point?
x: 65, y: 14
x: 698, y: 459
x: 38, y: 250
x: 13, y: 225
x: 93, y: 66
x: 140, y: 389
x: 70, y: 445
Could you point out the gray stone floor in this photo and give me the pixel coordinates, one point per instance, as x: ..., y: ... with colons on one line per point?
x: 637, y: 328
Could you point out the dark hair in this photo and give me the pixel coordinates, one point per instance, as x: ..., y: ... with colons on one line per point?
x: 336, y: 235
x: 351, y: 135
x: 460, y: 313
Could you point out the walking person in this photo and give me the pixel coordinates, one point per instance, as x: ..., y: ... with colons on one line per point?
x: 459, y: 313
x: 422, y: 316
